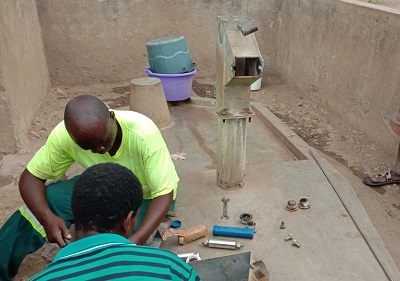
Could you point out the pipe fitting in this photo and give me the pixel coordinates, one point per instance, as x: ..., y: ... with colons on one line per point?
x: 251, y: 225
x: 190, y: 256
x: 291, y: 206
x: 304, y: 204
x: 245, y: 217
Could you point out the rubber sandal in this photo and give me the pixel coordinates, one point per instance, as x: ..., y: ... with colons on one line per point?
x: 368, y: 181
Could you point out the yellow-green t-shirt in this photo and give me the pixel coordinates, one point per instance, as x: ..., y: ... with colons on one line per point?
x: 143, y: 151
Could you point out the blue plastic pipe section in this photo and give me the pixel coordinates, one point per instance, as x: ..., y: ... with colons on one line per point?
x: 230, y: 231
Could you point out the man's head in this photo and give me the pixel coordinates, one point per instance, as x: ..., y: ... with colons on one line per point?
x: 90, y: 123
x: 106, y: 199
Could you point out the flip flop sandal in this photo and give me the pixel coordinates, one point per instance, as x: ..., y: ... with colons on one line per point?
x: 368, y: 181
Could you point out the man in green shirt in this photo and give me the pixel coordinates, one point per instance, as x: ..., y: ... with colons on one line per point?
x: 105, y: 204
x: 90, y: 134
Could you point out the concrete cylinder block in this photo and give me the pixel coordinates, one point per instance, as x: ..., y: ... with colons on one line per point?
x: 147, y: 97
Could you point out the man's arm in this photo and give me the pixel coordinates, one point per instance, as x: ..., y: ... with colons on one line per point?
x: 155, y: 214
x: 33, y: 192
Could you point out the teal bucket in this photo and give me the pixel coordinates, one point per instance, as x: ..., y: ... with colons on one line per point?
x: 169, y: 55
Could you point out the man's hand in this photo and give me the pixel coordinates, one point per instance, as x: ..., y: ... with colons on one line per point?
x: 33, y: 192
x: 155, y: 214
x: 56, y: 230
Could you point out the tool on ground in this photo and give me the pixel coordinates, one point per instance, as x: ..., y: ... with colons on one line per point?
x: 251, y: 224
x: 230, y: 231
x: 304, y: 203
x: 289, y: 237
x: 189, y: 256
x: 296, y: 243
x: 282, y: 225
x: 186, y: 235
x: 225, y: 208
x: 259, y: 271
x: 245, y: 217
x: 222, y: 244
x: 291, y: 206
x: 155, y: 239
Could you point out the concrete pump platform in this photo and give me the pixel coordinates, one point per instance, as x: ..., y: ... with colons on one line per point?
x: 279, y: 167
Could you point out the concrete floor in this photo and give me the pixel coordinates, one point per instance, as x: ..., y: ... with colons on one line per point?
x: 279, y: 167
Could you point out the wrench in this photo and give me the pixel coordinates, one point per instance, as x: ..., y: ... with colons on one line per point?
x: 225, y: 208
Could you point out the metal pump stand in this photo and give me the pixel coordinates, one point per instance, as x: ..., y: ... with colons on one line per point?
x: 239, y: 64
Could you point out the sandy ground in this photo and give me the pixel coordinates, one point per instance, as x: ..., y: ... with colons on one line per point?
x: 346, y: 148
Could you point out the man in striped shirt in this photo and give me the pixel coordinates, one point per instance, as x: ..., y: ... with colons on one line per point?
x: 105, y: 203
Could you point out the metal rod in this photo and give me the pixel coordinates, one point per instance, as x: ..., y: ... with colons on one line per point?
x: 222, y: 244
x: 354, y: 220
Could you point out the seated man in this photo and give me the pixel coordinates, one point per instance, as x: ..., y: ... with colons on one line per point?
x: 392, y: 175
x: 105, y: 204
x: 90, y: 134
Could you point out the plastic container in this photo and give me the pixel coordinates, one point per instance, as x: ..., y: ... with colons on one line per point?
x: 176, y: 86
x: 169, y: 55
x: 176, y: 224
x: 256, y: 85
x: 230, y: 231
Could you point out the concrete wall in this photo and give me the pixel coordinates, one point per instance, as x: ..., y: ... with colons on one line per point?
x: 343, y: 54
x: 7, y: 141
x: 24, y: 77
x: 105, y: 40
x: 346, y: 56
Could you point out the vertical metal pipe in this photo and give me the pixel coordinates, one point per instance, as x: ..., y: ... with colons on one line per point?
x: 231, y: 152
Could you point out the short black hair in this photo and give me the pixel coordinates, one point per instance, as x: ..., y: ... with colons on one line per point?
x: 103, y: 196
x: 86, y: 110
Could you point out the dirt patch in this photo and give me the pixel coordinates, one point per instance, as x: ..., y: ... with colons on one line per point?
x: 203, y: 90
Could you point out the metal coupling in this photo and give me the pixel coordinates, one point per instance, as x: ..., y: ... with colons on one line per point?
x: 245, y: 217
x: 304, y: 204
x: 189, y: 256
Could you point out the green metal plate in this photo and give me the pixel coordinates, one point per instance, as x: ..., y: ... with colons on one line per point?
x: 234, y: 267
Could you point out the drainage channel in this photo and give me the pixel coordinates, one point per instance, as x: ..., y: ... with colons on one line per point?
x: 382, y: 265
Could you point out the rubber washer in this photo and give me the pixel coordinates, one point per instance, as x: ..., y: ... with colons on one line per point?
x: 176, y: 224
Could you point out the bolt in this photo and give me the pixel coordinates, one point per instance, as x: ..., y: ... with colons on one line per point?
x: 282, y: 225
x: 295, y: 243
x: 289, y: 237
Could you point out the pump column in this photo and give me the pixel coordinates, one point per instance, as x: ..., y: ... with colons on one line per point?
x: 239, y: 64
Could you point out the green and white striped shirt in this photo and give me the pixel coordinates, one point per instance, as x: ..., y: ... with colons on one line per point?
x: 113, y: 257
